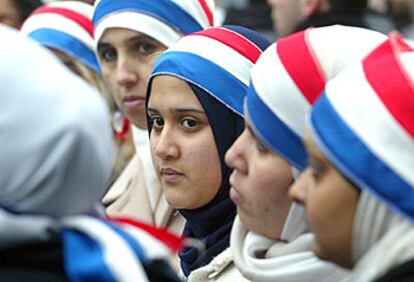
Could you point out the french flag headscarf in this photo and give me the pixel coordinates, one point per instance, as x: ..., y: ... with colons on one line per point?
x: 216, y: 64
x: 364, y: 124
x: 164, y: 20
x: 291, y: 74
x: 67, y: 27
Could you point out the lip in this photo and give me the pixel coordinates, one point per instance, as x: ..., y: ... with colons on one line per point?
x: 132, y: 102
x: 170, y: 175
x: 234, y: 194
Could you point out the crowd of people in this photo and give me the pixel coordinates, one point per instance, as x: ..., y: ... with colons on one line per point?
x: 173, y: 140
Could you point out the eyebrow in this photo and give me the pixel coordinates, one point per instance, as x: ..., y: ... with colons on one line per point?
x: 139, y: 37
x: 180, y: 110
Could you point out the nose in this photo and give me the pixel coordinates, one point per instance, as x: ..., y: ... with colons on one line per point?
x: 164, y: 144
x: 298, y: 191
x: 125, y: 74
x: 235, y: 155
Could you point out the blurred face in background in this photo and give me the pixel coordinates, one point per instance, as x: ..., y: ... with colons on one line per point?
x: 126, y: 58
x: 286, y: 15
x: 259, y: 185
x: 183, y: 149
x: 10, y: 14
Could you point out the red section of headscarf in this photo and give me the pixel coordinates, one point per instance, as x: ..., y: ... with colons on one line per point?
x: 301, y: 64
x: 386, y: 75
x: 80, y: 19
x: 234, y: 40
x: 207, y: 11
x: 172, y: 241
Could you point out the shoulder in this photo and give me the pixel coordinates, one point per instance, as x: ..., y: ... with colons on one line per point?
x: 221, y: 268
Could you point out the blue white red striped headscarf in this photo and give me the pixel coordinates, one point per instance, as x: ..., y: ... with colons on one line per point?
x: 222, y: 58
x: 164, y: 20
x: 291, y: 74
x: 216, y: 64
x: 364, y: 124
x: 67, y: 27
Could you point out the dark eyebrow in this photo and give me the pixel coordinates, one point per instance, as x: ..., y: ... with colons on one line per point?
x: 180, y: 110
x: 140, y: 37
x: 102, y: 45
x: 186, y: 110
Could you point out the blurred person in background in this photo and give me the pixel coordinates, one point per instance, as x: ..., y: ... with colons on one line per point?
x: 56, y: 159
x: 129, y: 37
x: 294, y: 15
x: 15, y: 12
x: 65, y: 27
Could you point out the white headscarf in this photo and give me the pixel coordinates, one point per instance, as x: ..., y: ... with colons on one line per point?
x: 290, y: 259
x: 381, y: 239
x: 56, y: 152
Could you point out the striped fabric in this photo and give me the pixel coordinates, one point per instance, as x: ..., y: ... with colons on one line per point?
x: 222, y: 56
x: 163, y: 20
x: 364, y: 124
x: 65, y: 26
x: 113, y: 250
x: 291, y: 74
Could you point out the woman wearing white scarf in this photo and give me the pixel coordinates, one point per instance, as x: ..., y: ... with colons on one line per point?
x: 129, y: 36
x: 56, y: 158
x: 360, y: 145
x: 270, y: 239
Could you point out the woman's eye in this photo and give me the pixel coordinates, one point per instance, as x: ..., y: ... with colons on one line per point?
x: 316, y: 168
x: 189, y: 123
x: 260, y: 147
x: 146, y: 48
x: 108, y: 55
x: 157, y: 122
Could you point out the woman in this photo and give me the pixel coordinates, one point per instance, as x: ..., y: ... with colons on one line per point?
x: 360, y: 168
x: 195, y: 113
x: 129, y: 36
x: 270, y: 239
x: 51, y: 228
x: 66, y: 29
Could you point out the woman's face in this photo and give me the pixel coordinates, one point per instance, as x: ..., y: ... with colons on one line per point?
x: 331, y: 202
x: 259, y: 185
x: 183, y: 149
x: 126, y: 58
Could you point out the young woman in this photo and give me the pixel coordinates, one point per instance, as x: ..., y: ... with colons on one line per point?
x: 195, y: 98
x: 359, y: 197
x: 270, y: 239
x: 56, y: 158
x: 130, y: 35
x: 66, y: 29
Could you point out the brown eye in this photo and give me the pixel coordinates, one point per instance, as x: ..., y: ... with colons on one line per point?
x: 157, y: 122
x: 189, y: 123
x: 107, y: 55
x: 316, y: 168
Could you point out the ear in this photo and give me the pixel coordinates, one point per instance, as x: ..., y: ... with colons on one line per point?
x: 312, y: 7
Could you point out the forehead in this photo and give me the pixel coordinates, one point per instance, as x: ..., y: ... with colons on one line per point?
x: 169, y: 91
x: 117, y: 36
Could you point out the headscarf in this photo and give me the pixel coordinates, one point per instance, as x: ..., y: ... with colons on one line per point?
x: 164, y: 20
x: 220, y: 86
x: 67, y: 27
x: 56, y: 160
x: 285, y: 82
x: 363, y: 124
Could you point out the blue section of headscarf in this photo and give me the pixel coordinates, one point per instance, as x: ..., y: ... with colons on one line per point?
x: 163, y: 10
x: 212, y: 223
x: 255, y: 37
x: 64, y: 42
